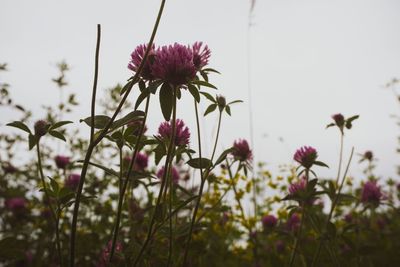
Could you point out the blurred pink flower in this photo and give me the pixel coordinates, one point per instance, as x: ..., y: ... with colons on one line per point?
x: 241, y: 150
x: 16, y: 204
x: 182, y: 133
x: 72, y: 181
x: 306, y: 156
x: 297, y: 187
x: 62, y: 161
x: 371, y: 193
x: 269, y: 221
x: 175, y: 174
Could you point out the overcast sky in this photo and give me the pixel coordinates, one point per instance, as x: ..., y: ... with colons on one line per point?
x: 309, y: 59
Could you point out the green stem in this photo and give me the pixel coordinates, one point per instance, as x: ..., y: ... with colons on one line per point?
x: 203, y: 178
x: 46, y: 193
x: 298, y: 235
x: 125, y: 182
x: 334, y: 203
x: 168, y: 161
x: 340, y: 158
x: 171, y: 184
x: 93, y: 144
x: 236, y: 195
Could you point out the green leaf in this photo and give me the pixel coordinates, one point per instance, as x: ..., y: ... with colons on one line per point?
x: 223, y: 155
x: 100, y: 121
x: 204, y: 83
x: 320, y: 163
x: 32, y: 141
x: 127, y: 86
x: 194, y: 91
x: 234, y: 102
x: 330, y: 125
x: 54, y: 185
x: 228, y: 110
x: 131, y: 116
x: 107, y: 170
x: 57, y: 135
x: 145, y: 93
x: 166, y: 101
x: 20, y: 125
x: 199, y: 163
x: 210, y: 70
x: 153, y: 86
x: 209, y: 97
x: 59, y: 124
x: 210, y: 109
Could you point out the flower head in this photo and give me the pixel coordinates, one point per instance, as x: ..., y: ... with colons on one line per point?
x: 62, y: 161
x: 174, y: 171
x: 368, y: 155
x: 371, y: 193
x: 306, y: 156
x: 280, y: 246
x: 72, y: 181
x: 105, y: 255
x: 40, y: 128
x: 293, y: 223
x: 241, y: 150
x: 136, y: 59
x: 142, y: 161
x: 298, y: 187
x: 269, y: 221
x: 9, y: 168
x: 182, y: 133
x: 16, y: 205
x: 201, y: 54
x: 339, y: 120
x: 173, y: 64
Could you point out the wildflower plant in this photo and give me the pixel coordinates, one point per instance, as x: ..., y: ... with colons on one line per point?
x: 127, y: 195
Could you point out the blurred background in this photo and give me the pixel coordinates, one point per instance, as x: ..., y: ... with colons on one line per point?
x: 293, y: 63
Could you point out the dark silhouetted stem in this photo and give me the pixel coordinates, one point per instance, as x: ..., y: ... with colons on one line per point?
x: 53, y: 213
x: 93, y: 144
x: 203, y: 178
x: 126, y: 181
x: 168, y: 161
x: 340, y: 158
x: 334, y: 203
x: 298, y: 235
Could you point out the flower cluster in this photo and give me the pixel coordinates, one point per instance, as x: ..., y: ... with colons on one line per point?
x: 173, y: 64
x: 182, y: 134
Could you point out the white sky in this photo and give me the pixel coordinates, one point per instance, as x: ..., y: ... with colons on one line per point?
x: 309, y: 60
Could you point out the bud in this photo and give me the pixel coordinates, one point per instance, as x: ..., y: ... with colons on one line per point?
x: 368, y: 155
x: 221, y: 101
x: 339, y: 120
x: 62, y: 161
x: 40, y: 128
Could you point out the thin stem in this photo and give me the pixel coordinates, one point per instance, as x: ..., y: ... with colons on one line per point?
x: 203, y: 178
x: 125, y: 182
x: 46, y: 193
x: 96, y: 75
x: 334, y: 203
x: 298, y: 236
x: 168, y: 162
x: 340, y: 158
x: 93, y: 144
x: 171, y: 184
